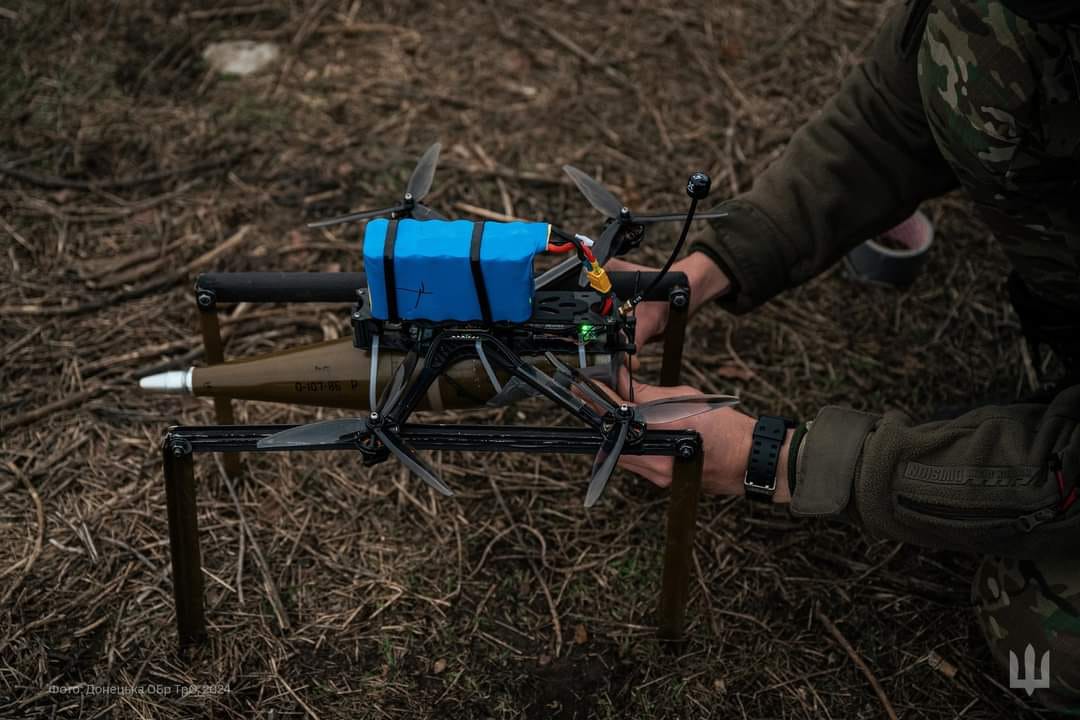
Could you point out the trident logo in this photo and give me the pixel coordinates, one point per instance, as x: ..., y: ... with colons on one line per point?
x: 1030, y: 681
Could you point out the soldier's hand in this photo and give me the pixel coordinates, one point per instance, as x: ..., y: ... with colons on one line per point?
x: 707, y: 281
x: 726, y: 435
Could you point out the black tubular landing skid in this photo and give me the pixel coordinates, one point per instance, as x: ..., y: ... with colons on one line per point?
x: 181, y: 443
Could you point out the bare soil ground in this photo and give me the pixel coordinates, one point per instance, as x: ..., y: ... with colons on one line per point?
x: 126, y: 163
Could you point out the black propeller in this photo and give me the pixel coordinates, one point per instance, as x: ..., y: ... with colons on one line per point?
x: 410, y: 459
x: 361, y: 430
x: 598, y: 196
x: 313, y: 435
x: 611, y: 207
x: 606, y: 458
x: 392, y: 392
x: 416, y: 189
x: 423, y: 174
x: 657, y: 412
x: 623, y: 417
x: 621, y: 216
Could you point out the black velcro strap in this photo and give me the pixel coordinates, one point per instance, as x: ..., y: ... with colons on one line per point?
x: 388, y: 270
x: 478, y: 271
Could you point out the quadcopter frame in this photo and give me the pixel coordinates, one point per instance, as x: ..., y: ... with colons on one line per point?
x: 181, y: 443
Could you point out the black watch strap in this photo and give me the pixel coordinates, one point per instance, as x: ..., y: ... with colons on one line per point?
x: 760, y: 480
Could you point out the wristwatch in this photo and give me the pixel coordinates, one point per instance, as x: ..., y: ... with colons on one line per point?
x: 760, y: 479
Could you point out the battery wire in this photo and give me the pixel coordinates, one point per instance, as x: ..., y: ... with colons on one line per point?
x: 563, y: 242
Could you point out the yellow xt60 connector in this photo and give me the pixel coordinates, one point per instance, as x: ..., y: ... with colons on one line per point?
x: 598, y: 279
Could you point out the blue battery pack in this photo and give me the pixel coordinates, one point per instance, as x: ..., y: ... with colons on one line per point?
x: 458, y: 270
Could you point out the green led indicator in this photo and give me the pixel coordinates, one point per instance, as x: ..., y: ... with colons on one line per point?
x: 586, y: 332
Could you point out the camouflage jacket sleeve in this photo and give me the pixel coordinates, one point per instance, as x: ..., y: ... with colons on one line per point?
x: 858, y: 168
x: 997, y: 480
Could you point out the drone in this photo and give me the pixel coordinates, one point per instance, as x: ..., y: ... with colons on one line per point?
x: 439, y: 292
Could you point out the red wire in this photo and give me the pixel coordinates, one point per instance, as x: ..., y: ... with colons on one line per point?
x: 1066, y: 500
x: 590, y: 259
x: 568, y: 246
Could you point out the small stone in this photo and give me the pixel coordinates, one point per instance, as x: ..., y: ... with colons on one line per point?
x: 439, y: 666
x: 240, y: 57
x: 545, y: 660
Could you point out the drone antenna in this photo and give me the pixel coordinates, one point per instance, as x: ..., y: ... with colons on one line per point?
x: 697, y: 187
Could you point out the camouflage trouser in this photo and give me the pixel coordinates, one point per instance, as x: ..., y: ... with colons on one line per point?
x: 1030, y: 615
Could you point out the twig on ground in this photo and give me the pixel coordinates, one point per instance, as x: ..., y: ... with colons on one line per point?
x: 39, y: 539
x: 859, y: 663
x: 53, y: 182
x: 484, y: 213
x: 47, y: 409
x: 269, y: 586
x: 535, y: 569
x: 143, y: 290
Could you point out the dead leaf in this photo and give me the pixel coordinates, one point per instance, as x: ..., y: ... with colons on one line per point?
x: 581, y: 636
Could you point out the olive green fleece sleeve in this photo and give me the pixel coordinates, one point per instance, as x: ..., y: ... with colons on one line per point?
x: 858, y: 168
x: 999, y: 480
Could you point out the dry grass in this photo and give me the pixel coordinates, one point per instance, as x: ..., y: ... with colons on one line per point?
x: 400, y: 604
